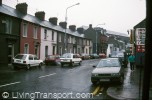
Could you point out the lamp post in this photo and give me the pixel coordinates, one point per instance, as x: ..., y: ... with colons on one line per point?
x: 65, y: 41
x: 97, y: 36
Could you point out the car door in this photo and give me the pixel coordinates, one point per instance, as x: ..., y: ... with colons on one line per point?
x: 36, y: 61
x: 31, y: 60
x: 76, y: 58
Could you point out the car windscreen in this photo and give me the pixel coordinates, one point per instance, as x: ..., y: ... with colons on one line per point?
x: 23, y: 57
x: 108, y: 63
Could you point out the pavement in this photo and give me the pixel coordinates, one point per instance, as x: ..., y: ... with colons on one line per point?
x: 132, y: 87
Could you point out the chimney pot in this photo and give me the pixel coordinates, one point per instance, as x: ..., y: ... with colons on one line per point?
x: 63, y: 24
x: 80, y: 30
x: 53, y: 20
x: 72, y: 27
x: 90, y: 25
x: 22, y: 7
x: 40, y: 15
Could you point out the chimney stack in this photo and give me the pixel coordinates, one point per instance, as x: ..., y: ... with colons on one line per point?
x: 63, y: 24
x: 72, y: 27
x: 40, y: 15
x: 53, y: 20
x: 90, y: 25
x: 21, y: 7
x: 80, y: 30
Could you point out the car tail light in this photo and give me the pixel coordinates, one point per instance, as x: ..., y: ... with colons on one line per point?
x: 24, y: 62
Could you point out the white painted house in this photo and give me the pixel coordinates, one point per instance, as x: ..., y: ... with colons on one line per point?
x: 48, y: 42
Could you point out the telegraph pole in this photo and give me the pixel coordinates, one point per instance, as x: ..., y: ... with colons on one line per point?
x: 148, y: 55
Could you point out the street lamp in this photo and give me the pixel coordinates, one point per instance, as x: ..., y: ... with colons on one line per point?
x: 97, y: 36
x: 65, y: 41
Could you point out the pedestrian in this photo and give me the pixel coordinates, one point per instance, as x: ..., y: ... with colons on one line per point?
x: 131, y: 60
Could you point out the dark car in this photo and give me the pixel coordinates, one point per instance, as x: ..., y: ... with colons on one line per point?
x: 102, y: 55
x: 52, y: 60
x: 85, y: 56
x: 94, y: 56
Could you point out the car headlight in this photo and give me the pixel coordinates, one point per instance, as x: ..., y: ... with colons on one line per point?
x: 115, y: 74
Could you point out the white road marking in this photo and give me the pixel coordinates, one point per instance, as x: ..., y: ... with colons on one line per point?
x: 9, y: 84
x: 47, y: 75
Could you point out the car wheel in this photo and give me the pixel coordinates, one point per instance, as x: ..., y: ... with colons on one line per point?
x: 46, y: 64
x: 62, y: 64
x: 40, y: 65
x: 80, y: 63
x: 121, y: 79
x: 15, y: 67
x: 94, y: 82
x: 72, y: 64
x: 28, y: 67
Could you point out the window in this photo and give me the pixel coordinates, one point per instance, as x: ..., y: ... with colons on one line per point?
x: 26, y: 48
x: 46, y: 51
x: 60, y: 51
x: 59, y: 37
x: 35, y: 33
x: 37, y: 50
x: 6, y: 26
x: 24, y: 30
x: 36, y: 58
x: 86, y: 51
x: 71, y: 39
x: 45, y: 34
x: 52, y: 35
x: 30, y: 57
x: 53, y: 50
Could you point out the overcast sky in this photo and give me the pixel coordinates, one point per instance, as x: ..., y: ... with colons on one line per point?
x: 118, y: 15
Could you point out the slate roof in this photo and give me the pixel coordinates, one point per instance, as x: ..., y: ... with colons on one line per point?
x: 109, y: 32
x: 117, y: 33
x: 30, y: 18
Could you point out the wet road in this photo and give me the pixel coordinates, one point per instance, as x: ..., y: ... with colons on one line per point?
x: 52, y: 82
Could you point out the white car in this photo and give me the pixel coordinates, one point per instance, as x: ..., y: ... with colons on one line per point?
x: 71, y: 59
x: 108, y: 70
x: 26, y: 60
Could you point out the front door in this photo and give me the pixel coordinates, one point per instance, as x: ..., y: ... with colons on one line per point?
x: 10, y: 53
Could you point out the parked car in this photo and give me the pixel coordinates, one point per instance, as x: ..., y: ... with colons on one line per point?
x: 85, y: 56
x: 71, y: 59
x: 108, y: 70
x: 102, y: 55
x: 123, y: 58
x: 52, y: 60
x: 26, y: 60
x: 94, y: 56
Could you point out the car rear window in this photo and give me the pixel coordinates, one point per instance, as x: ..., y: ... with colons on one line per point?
x: 66, y: 56
x: 51, y: 56
x: 23, y: 57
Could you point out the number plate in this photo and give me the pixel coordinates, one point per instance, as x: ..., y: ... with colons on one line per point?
x: 104, y: 79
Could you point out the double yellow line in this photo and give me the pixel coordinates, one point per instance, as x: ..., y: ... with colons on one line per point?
x: 96, y: 91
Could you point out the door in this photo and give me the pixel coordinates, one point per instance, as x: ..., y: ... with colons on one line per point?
x: 10, y: 53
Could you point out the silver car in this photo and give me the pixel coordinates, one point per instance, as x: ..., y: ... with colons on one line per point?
x: 71, y: 59
x: 108, y: 70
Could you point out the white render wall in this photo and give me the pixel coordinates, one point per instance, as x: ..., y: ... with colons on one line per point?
x: 47, y: 42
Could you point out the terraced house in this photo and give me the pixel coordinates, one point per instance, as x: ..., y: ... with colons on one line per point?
x: 24, y: 33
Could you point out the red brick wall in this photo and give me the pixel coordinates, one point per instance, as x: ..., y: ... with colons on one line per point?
x: 29, y: 39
